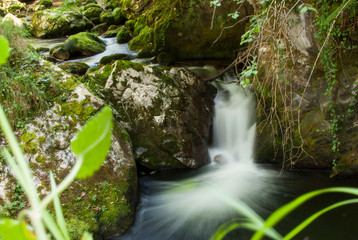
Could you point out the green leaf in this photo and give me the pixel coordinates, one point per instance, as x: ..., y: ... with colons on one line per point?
x: 4, y: 49
x: 12, y: 229
x: 93, y: 142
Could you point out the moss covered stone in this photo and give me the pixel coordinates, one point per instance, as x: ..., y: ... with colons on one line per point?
x: 123, y: 35
x: 53, y: 23
x: 150, y: 100
x: 81, y: 44
x: 78, y: 68
x: 119, y: 18
x: 143, y: 42
x: 130, y: 25
x: 112, y: 58
x: 29, y: 142
x: 93, y: 12
x: 46, y: 3
x: 107, y: 17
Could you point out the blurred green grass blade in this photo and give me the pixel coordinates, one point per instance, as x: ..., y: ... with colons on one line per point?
x: 234, y: 224
x: 288, y: 208
x: 313, y: 217
x: 93, y: 142
x: 58, y: 210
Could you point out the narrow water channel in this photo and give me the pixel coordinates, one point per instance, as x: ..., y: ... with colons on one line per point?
x: 191, y: 205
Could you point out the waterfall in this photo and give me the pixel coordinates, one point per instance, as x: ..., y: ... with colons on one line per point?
x: 195, y: 207
x: 234, y: 125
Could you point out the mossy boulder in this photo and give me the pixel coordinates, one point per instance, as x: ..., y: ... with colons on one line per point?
x: 130, y: 25
x: 107, y: 17
x: 93, y: 12
x: 96, y: 79
x: 100, y: 28
x: 2, y: 12
x: 78, y: 68
x: 143, y: 43
x: 119, y: 19
x: 45, y: 3
x: 112, y: 58
x: 103, y: 204
x: 60, y: 53
x: 14, y: 6
x: 185, y: 31
x: 134, y: 8
x: 123, y: 35
x: 91, y: 5
x: 167, y: 113
x: 81, y: 44
x: 53, y: 23
x: 110, y: 33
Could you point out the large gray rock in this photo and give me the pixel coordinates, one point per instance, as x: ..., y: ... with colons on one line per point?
x: 166, y: 112
x: 103, y: 204
x: 53, y: 23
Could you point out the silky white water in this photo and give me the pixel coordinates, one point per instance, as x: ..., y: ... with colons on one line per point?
x: 194, y: 207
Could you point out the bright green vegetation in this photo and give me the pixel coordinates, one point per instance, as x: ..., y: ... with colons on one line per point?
x: 262, y: 227
x: 27, y: 88
x: 91, y: 147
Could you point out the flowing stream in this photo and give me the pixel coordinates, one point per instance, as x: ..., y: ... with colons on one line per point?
x: 191, y: 205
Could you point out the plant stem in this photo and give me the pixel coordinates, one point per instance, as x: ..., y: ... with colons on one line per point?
x: 64, y: 184
x: 23, y: 172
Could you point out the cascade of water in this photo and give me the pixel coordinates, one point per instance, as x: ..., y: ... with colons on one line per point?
x: 195, y: 207
x: 234, y: 125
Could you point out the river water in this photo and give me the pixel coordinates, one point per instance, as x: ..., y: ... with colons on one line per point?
x: 191, y: 205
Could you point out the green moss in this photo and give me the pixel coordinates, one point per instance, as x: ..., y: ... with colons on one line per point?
x: 130, y: 25
x: 123, y: 64
x: 29, y: 142
x: 28, y: 137
x: 118, y: 16
x: 77, y: 110
x: 144, y: 40
x: 41, y: 159
x: 92, y: 12
x: 41, y: 139
x: 84, y: 44
x: 70, y: 84
x: 123, y: 35
x: 139, y: 25
x: 107, y: 17
x: 77, y: 227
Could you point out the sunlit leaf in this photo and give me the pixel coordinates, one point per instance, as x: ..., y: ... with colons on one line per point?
x: 93, y: 142
x: 4, y: 49
x: 12, y: 229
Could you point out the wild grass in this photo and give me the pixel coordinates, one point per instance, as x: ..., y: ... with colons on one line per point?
x: 25, y: 89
